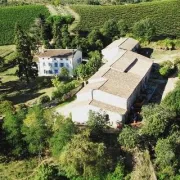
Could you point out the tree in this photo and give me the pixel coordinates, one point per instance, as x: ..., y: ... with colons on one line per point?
x: 94, y: 40
x: 166, y: 68
x: 129, y: 137
x: 94, y: 62
x: 83, y: 158
x: 118, y: 173
x: 144, y: 29
x: 27, y: 68
x: 12, y: 127
x: 82, y: 71
x: 165, y: 155
x: 6, y: 107
x: 48, y: 172
x: 66, y: 39
x: 97, y: 122
x: 122, y: 27
x: 63, y: 132
x: 172, y: 101
x: 56, y: 83
x: 110, y: 29
x: 156, y: 120
x: 35, y: 130
x: 40, y: 31
x: 64, y: 72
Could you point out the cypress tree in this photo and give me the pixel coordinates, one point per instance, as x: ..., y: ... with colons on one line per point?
x: 27, y: 69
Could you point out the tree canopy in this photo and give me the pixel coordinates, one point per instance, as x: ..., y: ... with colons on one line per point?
x: 84, y: 158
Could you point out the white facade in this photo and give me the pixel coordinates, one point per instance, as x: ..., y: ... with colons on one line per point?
x: 49, y: 66
x: 81, y: 114
x: 103, y: 97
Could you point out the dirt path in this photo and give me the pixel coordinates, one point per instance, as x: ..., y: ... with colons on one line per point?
x: 52, y: 9
x: 75, y: 15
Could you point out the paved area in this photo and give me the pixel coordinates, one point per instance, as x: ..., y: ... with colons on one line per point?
x: 169, y: 86
x: 66, y: 109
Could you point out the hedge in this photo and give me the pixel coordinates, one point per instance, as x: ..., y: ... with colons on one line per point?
x: 164, y: 14
x: 24, y: 15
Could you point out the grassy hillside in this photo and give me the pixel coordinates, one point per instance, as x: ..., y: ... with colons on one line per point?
x: 24, y: 15
x: 165, y: 15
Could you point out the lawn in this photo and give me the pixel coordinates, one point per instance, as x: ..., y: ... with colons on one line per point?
x: 6, y: 50
x: 162, y: 55
x: 19, y: 92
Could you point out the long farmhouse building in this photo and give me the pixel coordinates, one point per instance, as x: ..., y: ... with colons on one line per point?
x: 114, y: 88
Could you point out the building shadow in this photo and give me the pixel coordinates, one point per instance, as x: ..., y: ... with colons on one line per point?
x: 146, y: 52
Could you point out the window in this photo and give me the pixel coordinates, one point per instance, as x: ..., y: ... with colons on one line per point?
x: 50, y: 72
x: 55, y: 64
x: 61, y: 59
x: 44, y: 64
x: 79, y: 60
x: 44, y: 71
x: 56, y: 71
x: 50, y: 64
x: 54, y: 58
x: 61, y: 64
x: 67, y: 59
x: 67, y: 65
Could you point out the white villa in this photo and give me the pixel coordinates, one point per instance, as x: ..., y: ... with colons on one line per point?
x: 52, y: 60
x: 115, y: 86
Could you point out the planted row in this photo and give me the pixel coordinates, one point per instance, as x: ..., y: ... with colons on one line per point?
x: 24, y: 15
x: 165, y: 16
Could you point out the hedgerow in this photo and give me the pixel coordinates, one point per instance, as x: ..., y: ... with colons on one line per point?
x: 24, y: 15
x: 165, y: 16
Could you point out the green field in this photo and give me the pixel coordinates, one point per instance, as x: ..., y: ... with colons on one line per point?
x: 165, y: 15
x: 24, y: 15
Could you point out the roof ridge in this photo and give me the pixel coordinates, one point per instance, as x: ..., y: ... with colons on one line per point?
x: 118, y: 58
x: 123, y: 41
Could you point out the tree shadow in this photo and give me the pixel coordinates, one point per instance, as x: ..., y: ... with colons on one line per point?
x: 23, y: 97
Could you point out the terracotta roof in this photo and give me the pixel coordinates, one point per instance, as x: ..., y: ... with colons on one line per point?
x: 107, y: 107
x: 57, y: 53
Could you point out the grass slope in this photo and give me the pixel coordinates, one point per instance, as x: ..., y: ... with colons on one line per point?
x: 24, y: 15
x: 165, y: 15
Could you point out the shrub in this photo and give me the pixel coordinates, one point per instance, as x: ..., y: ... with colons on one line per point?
x: 44, y: 99
x: 167, y: 44
x: 166, y: 68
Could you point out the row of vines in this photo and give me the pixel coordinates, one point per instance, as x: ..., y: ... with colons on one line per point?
x: 165, y: 16
x: 24, y: 15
